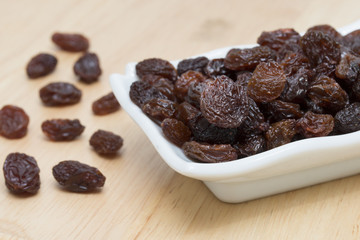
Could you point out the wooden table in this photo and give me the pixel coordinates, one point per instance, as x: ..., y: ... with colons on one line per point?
x: 143, y: 198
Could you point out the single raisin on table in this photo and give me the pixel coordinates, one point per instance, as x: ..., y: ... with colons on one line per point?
x: 75, y: 176
x: 224, y: 103
x: 41, y: 65
x: 209, y: 153
x: 71, y: 42
x: 21, y: 173
x: 62, y: 129
x: 175, y: 131
x: 315, y: 125
x: 87, y: 68
x: 196, y: 64
x: 59, y: 94
x: 105, y: 105
x: 105, y: 142
x: 13, y: 122
x: 156, y: 66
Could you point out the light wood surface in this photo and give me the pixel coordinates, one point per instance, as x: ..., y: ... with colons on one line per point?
x: 143, y: 198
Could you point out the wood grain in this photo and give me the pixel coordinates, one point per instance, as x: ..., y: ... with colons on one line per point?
x: 143, y: 198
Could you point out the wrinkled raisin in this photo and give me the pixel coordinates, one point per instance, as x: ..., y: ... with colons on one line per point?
x: 250, y: 146
x: 156, y: 66
x: 159, y: 109
x: 105, y: 105
x: 293, y: 62
x: 175, y: 131
x: 13, y: 122
x: 187, y: 112
x: 216, y: 67
x: 196, y: 64
x: 352, y: 40
x: 183, y: 83
x: 209, y: 153
x: 348, y: 68
x: 224, y: 103
x: 280, y: 133
x: 62, y: 129
x: 75, y: 176
x: 71, y: 42
x: 166, y: 87
x: 87, y: 68
x: 267, y: 82
x: 105, y: 142
x: 329, y: 30
x: 41, y: 65
x: 194, y: 93
x: 279, y: 110
x: 348, y: 119
x: 276, y: 39
x: 21, y: 173
x: 60, y: 93
x: 243, y: 78
x: 248, y: 58
x: 296, y: 86
x: 315, y: 125
x: 141, y: 92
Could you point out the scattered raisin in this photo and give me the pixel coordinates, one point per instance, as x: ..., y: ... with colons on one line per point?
x: 175, y: 131
x: 348, y: 119
x: 105, y: 105
x: 59, y: 94
x: 13, y: 122
x: 71, y: 42
x: 196, y: 64
x: 87, y: 67
x: 21, y: 173
x: 315, y: 125
x: 41, y: 65
x: 62, y: 129
x: 75, y: 176
x: 156, y: 66
x: 105, y: 142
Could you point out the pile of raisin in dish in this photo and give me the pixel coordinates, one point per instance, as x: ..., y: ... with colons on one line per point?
x: 287, y: 88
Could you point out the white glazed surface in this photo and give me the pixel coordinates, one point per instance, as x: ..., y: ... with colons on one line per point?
x: 294, y: 165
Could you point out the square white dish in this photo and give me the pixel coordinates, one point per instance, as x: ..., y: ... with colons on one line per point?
x: 291, y: 166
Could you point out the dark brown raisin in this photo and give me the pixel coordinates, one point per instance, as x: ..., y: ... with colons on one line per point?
x: 196, y: 64
x: 41, y: 65
x: 186, y: 112
x: 159, y: 109
x: 243, y: 78
x: 141, y: 92
x: 209, y: 153
x: 348, y: 68
x: 21, y: 173
x: 348, y: 119
x: 194, y: 93
x: 71, y: 42
x: 175, y: 131
x: 105, y: 142
x: 315, y: 125
x: 166, y: 87
x: 296, y: 86
x: 224, y: 103
x: 87, y: 68
x: 276, y: 39
x: 59, y: 94
x: 293, y: 62
x: 183, y: 83
x: 248, y: 58
x: 105, y: 105
x: 250, y: 146
x: 216, y: 67
x: 13, y: 122
x: 280, y: 133
x: 279, y: 110
x: 288, y: 49
x: 75, y: 176
x: 156, y: 66
x: 320, y: 48
x: 329, y: 30
x: 352, y: 40
x: 267, y: 82
x: 62, y: 129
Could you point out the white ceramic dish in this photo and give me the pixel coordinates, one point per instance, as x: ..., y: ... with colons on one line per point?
x: 294, y: 165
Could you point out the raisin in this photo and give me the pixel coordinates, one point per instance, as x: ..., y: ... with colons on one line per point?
x: 329, y: 30
x: 315, y: 125
x: 105, y: 105
x: 13, y: 122
x: 156, y: 66
x: 62, y: 129
x: 87, y: 68
x: 175, y: 131
x: 183, y: 83
x: 141, y: 92
x: 348, y: 68
x: 209, y: 153
x: 196, y: 64
x: 166, y: 87
x: 41, y: 65
x: 296, y: 86
x: 159, y: 109
x: 327, y: 93
x: 248, y: 58
x: 71, y: 42
x: 267, y: 82
x: 320, y: 48
x: 216, y: 67
x: 293, y: 62
x: 288, y: 49
x: 21, y: 173
x: 250, y: 146
x: 105, y: 142
x: 75, y: 176
x: 279, y: 110
x: 194, y: 93
x: 352, y: 40
x: 280, y: 133
x: 276, y: 39
x: 187, y: 112
x: 243, y: 77
x: 59, y: 94
x: 348, y: 119
x: 224, y: 103
x: 203, y: 131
